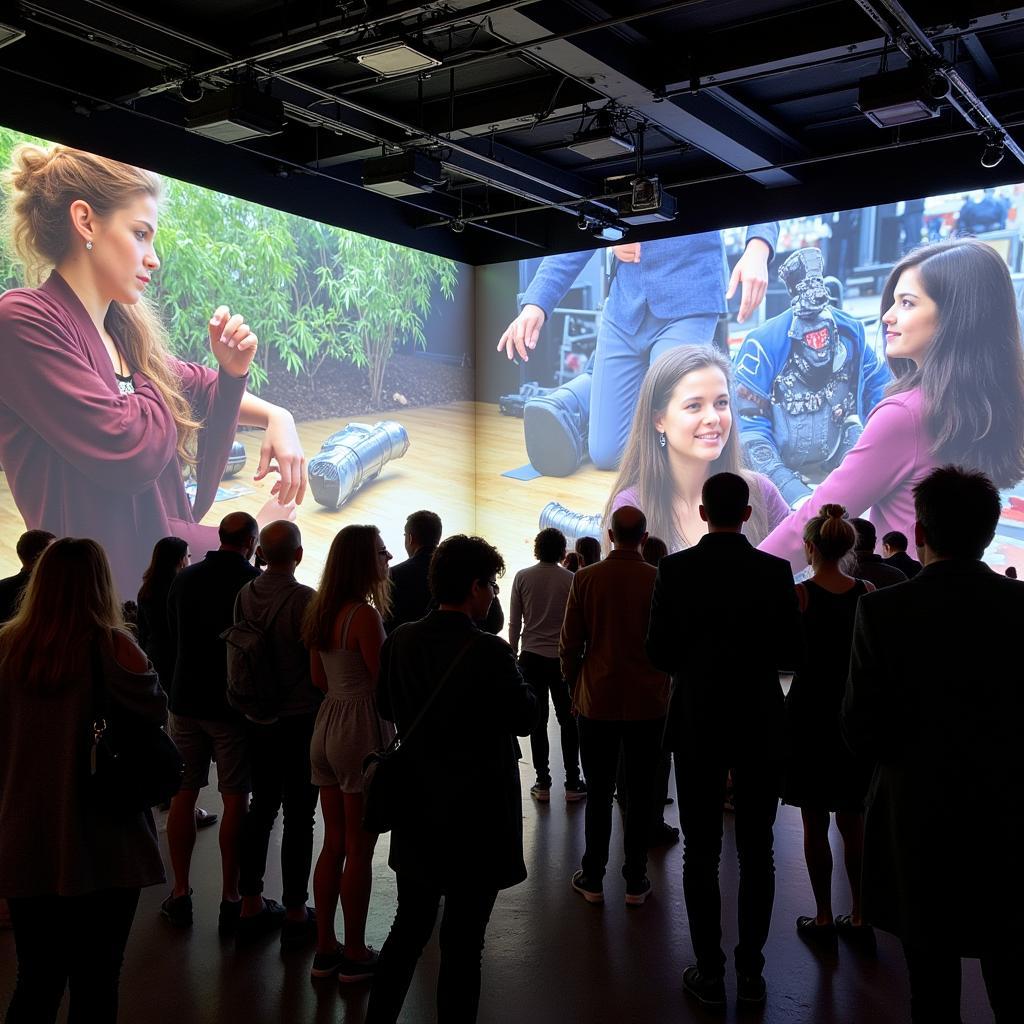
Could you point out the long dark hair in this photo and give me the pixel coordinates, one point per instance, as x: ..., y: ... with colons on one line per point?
x: 163, y: 566
x: 972, y: 376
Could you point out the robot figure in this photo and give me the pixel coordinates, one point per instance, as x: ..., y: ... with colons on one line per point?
x: 806, y: 381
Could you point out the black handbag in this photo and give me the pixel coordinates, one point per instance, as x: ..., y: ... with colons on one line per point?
x: 386, y: 771
x: 133, y: 764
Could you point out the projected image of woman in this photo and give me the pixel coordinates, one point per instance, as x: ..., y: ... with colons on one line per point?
x: 97, y: 419
x: 953, y: 344
x: 683, y: 433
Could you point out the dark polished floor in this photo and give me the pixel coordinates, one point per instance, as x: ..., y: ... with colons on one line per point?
x: 551, y: 958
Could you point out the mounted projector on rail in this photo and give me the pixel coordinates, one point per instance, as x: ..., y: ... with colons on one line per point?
x: 600, y: 141
x: 236, y: 114
x: 398, y: 58
x: 647, y: 202
x: 404, y: 174
x: 901, y: 97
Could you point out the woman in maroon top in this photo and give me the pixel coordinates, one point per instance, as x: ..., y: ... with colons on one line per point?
x: 97, y: 419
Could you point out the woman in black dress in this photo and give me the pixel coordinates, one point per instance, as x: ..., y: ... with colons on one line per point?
x: 823, y: 776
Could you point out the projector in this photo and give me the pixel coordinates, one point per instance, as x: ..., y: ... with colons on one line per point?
x: 897, y: 97
x: 404, y: 174
x: 600, y: 144
x: 648, y: 203
x: 236, y: 114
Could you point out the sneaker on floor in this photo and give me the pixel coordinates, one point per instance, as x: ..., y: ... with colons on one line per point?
x: 542, y: 794
x: 575, y: 791
x: 227, y: 919
x: 751, y: 989
x: 269, y: 919
x: 177, y: 910
x: 637, y: 891
x: 592, y: 892
x: 327, y: 965
x: 295, y: 934
x: 663, y: 834
x: 358, y: 970
x: 707, y: 991
x: 204, y: 819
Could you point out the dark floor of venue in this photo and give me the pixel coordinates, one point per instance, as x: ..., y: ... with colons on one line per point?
x: 550, y: 956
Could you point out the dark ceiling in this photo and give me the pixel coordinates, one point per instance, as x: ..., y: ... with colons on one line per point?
x: 744, y: 109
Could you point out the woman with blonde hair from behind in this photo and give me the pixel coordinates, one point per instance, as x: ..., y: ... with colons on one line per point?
x: 70, y: 867
x: 823, y: 776
x: 344, y: 631
x: 97, y: 419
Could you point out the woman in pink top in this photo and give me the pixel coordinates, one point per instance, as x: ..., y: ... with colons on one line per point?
x: 683, y: 433
x: 97, y: 419
x: 954, y: 346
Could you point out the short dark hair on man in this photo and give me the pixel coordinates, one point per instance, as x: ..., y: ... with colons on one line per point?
x: 958, y: 511
x: 424, y: 528
x: 457, y: 563
x: 895, y: 540
x: 589, y: 549
x: 549, y: 545
x: 237, y: 529
x: 867, y: 535
x: 629, y: 525
x: 725, y: 497
x: 31, y: 544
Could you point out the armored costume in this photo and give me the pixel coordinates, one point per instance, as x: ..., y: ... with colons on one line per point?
x: 805, y: 382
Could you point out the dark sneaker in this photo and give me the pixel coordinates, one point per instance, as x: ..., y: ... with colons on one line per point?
x: 295, y: 934
x: 663, y: 834
x: 177, y: 910
x: 204, y: 819
x: 542, y: 794
x: 575, y: 791
x: 327, y: 965
x: 269, y: 919
x: 707, y: 991
x: 637, y: 891
x: 358, y: 970
x: 751, y: 989
x: 227, y: 919
x: 592, y: 892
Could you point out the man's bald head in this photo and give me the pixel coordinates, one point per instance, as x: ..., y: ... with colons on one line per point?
x: 629, y: 527
x: 238, y: 530
x: 281, y: 545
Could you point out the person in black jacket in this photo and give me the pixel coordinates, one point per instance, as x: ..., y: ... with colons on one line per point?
x: 200, y: 606
x: 930, y: 699
x: 724, y: 621
x: 410, y: 593
x: 894, y: 548
x: 30, y: 546
x: 466, y: 849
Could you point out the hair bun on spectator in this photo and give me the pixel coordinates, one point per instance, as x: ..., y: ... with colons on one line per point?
x: 833, y: 511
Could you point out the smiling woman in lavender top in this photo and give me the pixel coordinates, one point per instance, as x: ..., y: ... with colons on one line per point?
x: 953, y: 343
x: 682, y: 434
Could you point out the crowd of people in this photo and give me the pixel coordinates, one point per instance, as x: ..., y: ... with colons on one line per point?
x: 289, y: 689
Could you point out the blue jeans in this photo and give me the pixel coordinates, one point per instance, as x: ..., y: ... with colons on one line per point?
x: 620, y: 361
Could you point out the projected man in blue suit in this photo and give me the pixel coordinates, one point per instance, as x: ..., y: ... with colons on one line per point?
x: 664, y: 293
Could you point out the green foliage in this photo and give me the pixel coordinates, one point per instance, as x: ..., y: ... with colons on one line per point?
x: 312, y: 293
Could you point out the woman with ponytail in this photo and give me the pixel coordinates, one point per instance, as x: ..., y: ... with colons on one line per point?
x: 97, y: 419
x: 822, y: 775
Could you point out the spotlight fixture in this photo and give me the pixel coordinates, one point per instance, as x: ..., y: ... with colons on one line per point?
x: 897, y: 97
x: 583, y: 224
x: 608, y: 232
x: 10, y: 33
x: 994, y: 151
x: 403, y: 174
x: 191, y: 90
x: 396, y: 59
x: 600, y: 141
x: 236, y: 114
x: 458, y: 225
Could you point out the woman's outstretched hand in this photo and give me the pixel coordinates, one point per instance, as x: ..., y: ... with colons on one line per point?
x: 232, y: 342
x: 281, y: 452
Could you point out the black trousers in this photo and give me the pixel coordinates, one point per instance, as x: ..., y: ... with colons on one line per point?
x: 280, y: 776
x: 544, y: 676
x: 935, y: 984
x: 463, y: 924
x: 601, y: 745
x: 70, y: 941
x: 700, y: 788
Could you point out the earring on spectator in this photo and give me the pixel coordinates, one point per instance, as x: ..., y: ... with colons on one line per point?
x: 88, y: 246
x: 662, y: 440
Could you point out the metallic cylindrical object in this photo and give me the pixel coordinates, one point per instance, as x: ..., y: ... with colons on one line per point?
x: 573, y: 524
x: 353, y: 456
x: 236, y: 460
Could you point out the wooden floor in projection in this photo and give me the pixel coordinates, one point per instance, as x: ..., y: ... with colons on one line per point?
x: 456, y: 456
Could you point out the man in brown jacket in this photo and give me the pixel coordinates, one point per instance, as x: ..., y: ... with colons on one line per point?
x: 620, y: 698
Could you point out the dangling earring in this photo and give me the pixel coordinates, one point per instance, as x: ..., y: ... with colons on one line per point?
x: 88, y: 246
x: 662, y: 440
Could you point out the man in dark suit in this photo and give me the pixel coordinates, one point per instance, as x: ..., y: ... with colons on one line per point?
x: 724, y: 621
x: 410, y: 592
x: 867, y: 565
x: 930, y: 698
x: 30, y: 546
x: 894, y: 550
